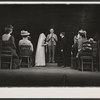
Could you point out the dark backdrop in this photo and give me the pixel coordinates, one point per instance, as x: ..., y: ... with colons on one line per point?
x: 40, y: 18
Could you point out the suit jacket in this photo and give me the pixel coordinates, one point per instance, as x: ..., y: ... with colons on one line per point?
x: 63, y: 43
x: 53, y: 40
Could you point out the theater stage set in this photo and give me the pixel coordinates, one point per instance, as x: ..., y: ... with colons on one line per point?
x: 38, y: 18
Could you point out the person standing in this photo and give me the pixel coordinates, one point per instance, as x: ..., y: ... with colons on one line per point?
x: 52, y: 39
x: 62, y: 47
x: 40, y: 52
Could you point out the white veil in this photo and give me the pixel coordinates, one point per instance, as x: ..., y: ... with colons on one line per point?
x: 39, y: 47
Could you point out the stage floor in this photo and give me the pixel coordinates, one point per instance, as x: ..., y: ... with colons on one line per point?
x: 48, y: 77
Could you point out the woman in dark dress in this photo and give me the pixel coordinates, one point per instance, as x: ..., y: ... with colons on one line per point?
x: 8, y: 37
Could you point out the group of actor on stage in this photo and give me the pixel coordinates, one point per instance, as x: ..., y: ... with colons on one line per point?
x: 43, y: 41
x: 81, y: 38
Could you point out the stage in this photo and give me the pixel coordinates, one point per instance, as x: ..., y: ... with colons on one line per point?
x: 48, y: 77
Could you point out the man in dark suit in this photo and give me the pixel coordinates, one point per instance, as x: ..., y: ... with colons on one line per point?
x: 62, y: 47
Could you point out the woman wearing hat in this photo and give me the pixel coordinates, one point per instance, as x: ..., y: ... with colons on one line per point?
x: 25, y: 39
x: 8, y: 37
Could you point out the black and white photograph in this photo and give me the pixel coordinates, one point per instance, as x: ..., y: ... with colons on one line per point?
x: 49, y: 45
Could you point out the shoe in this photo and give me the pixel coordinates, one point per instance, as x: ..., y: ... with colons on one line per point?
x: 53, y: 61
x: 49, y: 62
x: 63, y: 66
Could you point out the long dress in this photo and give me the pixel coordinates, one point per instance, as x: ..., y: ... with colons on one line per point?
x: 15, y: 63
x: 40, y: 52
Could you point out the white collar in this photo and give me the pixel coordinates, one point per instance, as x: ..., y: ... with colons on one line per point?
x: 25, y: 38
x: 62, y: 37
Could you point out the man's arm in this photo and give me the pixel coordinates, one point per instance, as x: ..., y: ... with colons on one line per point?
x: 19, y: 42
x: 31, y: 46
x: 48, y: 38
x: 13, y: 42
x: 55, y: 37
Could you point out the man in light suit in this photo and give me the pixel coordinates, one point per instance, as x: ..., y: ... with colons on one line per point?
x: 52, y: 39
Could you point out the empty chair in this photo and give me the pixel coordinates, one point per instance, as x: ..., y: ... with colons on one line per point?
x: 25, y: 53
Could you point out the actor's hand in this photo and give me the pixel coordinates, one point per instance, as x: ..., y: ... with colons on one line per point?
x: 46, y: 43
x: 50, y: 36
x: 62, y: 50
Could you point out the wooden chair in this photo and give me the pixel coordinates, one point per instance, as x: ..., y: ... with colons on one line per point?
x: 6, y: 56
x: 94, y: 55
x: 99, y: 54
x: 25, y: 53
x: 86, y: 56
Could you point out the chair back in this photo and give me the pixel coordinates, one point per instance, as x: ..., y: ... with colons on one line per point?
x: 24, y: 50
x: 87, y: 48
x: 91, y: 48
x: 95, y: 49
x: 6, y: 44
x: 6, y: 47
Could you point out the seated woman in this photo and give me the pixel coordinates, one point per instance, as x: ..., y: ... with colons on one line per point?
x: 8, y: 37
x: 26, y: 41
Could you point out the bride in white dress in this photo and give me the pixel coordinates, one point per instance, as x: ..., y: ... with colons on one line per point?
x: 40, y: 52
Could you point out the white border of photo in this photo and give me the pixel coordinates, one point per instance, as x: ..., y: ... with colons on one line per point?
x: 50, y: 92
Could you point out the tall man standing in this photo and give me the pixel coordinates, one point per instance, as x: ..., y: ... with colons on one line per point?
x: 52, y: 39
x: 62, y: 47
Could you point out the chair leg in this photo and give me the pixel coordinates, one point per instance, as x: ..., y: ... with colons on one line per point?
x: 31, y: 62
x: 0, y: 61
x: 78, y: 64
x: 92, y: 65
x: 71, y: 63
x: 11, y: 63
x: 28, y: 62
x: 82, y: 64
x: 20, y: 61
x: 74, y: 63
